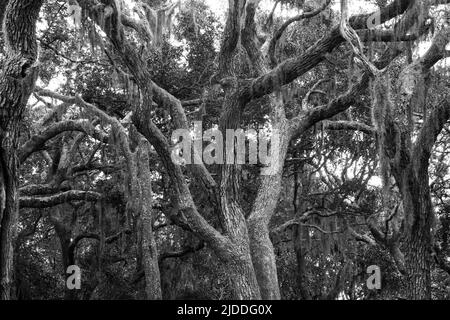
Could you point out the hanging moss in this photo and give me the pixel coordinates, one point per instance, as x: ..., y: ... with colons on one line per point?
x: 389, y: 140
x: 158, y: 23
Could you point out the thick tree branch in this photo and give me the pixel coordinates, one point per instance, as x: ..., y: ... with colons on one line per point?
x: 291, y: 69
x: 440, y: 114
x: 95, y: 236
x: 429, y: 133
x: 40, y: 189
x: 362, y: 237
x: 186, y: 211
x: 231, y: 36
x: 38, y: 141
x: 51, y: 201
x: 350, y: 125
x: 142, y: 120
x: 119, y: 130
x: 386, y: 36
x: 278, y: 33
x: 391, y: 244
x: 306, y: 120
x: 134, y: 62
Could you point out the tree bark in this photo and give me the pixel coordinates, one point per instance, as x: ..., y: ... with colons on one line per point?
x: 8, y: 212
x: 241, y: 269
x: 17, y: 78
x: 64, y: 233
x: 418, y: 241
x: 301, y: 263
x: 148, y: 244
x: 243, y: 276
x: 411, y: 167
x: 266, y: 202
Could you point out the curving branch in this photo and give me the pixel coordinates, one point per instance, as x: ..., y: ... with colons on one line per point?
x: 189, y: 218
x: 429, y: 133
x: 352, y: 38
x: 440, y: 115
x: 51, y: 201
x: 387, y: 36
x: 38, y: 141
x: 290, y: 69
x: 279, y: 33
x: 118, y: 129
x: 312, y: 91
x: 95, y: 236
x: 391, y: 244
x: 150, y: 89
x: 143, y: 121
x: 362, y: 237
x: 40, y: 189
x: 350, y: 125
x: 341, y: 103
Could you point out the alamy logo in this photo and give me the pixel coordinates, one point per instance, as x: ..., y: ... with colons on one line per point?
x: 240, y: 147
x: 374, y: 281
x: 73, y: 281
x: 374, y: 20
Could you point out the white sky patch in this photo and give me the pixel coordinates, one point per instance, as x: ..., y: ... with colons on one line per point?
x: 56, y: 82
x: 218, y: 7
x: 375, y: 182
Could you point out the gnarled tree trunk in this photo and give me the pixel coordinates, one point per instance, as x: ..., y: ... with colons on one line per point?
x: 418, y: 241
x: 8, y: 211
x: 17, y: 78
x: 263, y: 253
x: 407, y: 160
x: 148, y: 243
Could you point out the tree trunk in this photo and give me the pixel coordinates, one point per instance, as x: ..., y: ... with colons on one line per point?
x: 242, y: 272
x: 301, y: 187
x: 17, y: 80
x: 243, y: 276
x: 8, y: 212
x: 243, y: 279
x: 148, y: 244
x: 418, y: 242
x: 64, y: 234
x: 150, y: 259
x: 264, y: 260
x: 418, y: 266
x: 301, y: 264
x: 263, y: 254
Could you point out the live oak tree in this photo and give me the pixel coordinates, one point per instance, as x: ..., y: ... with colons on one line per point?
x: 17, y: 79
x: 408, y: 160
x: 238, y: 245
x: 267, y: 71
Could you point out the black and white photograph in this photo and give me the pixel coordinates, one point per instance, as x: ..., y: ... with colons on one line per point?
x: 251, y: 153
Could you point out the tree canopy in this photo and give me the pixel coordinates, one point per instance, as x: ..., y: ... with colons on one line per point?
x: 93, y: 92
